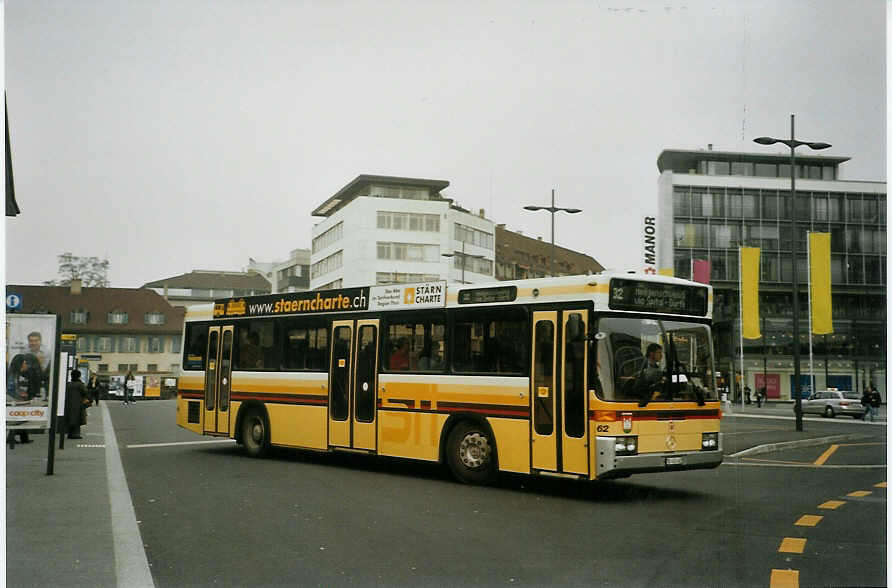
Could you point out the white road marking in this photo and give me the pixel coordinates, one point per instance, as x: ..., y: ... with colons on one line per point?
x: 144, y: 445
x: 131, y: 564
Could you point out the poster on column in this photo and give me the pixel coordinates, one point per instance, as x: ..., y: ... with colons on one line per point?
x: 30, y: 349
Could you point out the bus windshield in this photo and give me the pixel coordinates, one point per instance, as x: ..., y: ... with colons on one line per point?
x: 651, y: 360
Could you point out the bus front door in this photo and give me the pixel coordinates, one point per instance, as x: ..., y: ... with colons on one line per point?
x: 558, y: 399
x: 353, y: 385
x: 217, y: 380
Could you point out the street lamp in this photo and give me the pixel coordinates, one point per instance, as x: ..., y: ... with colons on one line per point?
x: 552, y: 209
x: 463, y: 256
x: 792, y: 143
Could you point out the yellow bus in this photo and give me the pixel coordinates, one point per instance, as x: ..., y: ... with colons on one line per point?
x: 587, y: 377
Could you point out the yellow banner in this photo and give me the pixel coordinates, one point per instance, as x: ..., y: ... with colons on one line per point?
x: 819, y: 273
x: 749, y: 288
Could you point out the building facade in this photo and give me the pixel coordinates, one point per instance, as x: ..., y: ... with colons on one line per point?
x: 519, y: 257
x: 711, y: 203
x: 118, y: 329
x: 386, y: 229
x: 291, y: 275
x: 203, y: 286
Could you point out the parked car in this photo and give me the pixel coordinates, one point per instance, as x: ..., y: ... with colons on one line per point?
x: 833, y: 402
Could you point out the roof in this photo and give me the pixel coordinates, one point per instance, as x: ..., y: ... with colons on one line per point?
x: 513, y: 247
x: 351, y: 190
x: 680, y: 160
x: 213, y: 280
x: 98, y: 302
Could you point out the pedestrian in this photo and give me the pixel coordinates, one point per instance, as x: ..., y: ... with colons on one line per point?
x: 93, y: 389
x: 128, y: 388
x: 76, y: 401
x: 865, y: 402
x: 875, y: 402
x: 760, y: 396
x: 747, y: 394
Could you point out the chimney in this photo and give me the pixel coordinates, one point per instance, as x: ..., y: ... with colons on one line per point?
x: 709, y: 147
x: 75, y: 286
x: 482, y: 213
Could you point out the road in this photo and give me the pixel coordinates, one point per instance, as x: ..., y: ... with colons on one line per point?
x: 210, y: 516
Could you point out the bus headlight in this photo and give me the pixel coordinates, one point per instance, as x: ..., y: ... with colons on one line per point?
x: 626, y: 445
x: 710, y: 441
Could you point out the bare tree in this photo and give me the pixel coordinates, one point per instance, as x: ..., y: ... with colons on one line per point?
x: 92, y: 271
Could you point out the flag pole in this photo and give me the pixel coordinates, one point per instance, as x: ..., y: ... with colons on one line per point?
x: 811, y: 357
x: 740, y: 304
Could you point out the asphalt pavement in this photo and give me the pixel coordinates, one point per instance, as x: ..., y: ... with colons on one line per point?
x: 77, y: 527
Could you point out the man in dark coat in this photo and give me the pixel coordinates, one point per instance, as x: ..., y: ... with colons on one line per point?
x: 75, y: 408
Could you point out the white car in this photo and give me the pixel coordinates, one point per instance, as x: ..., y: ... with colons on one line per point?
x: 833, y: 402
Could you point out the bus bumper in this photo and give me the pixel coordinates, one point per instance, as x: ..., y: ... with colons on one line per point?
x: 610, y: 465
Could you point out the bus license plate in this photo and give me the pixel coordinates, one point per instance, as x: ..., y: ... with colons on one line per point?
x: 674, y: 461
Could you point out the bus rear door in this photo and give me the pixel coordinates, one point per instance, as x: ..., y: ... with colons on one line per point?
x: 559, y: 401
x: 218, y: 380
x: 353, y: 385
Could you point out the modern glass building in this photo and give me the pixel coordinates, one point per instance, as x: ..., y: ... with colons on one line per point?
x: 711, y: 203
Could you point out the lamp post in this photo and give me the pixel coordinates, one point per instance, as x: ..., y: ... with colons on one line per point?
x: 463, y: 256
x: 552, y: 209
x: 792, y: 143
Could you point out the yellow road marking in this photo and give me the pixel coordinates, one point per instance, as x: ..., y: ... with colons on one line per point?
x: 859, y: 493
x: 792, y: 545
x: 880, y: 485
x: 832, y: 504
x: 826, y: 455
x: 784, y: 579
x: 809, y: 520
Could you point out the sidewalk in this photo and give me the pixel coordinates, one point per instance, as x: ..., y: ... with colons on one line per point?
x: 59, y: 529
x: 773, y: 408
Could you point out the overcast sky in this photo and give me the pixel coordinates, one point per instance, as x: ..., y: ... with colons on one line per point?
x: 177, y: 135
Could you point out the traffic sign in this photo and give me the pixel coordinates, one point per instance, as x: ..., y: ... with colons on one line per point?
x: 13, y: 302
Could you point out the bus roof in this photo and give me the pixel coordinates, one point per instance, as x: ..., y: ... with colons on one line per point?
x: 631, y: 292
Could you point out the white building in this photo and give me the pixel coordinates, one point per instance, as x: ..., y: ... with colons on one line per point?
x: 291, y: 275
x: 384, y: 229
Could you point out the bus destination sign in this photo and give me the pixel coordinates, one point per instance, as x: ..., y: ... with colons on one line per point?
x: 657, y: 297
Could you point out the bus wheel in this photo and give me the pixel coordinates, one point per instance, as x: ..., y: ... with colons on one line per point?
x: 471, y: 453
x: 255, y: 433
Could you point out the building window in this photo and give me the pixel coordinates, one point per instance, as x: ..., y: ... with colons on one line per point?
x: 122, y: 367
x: 403, y: 192
x: 131, y: 345
x: 473, y: 236
x: 741, y: 168
x: 105, y: 345
x: 473, y: 264
x: 766, y: 170
x: 339, y: 283
x: 718, y: 168
x: 329, y: 264
x: 404, y: 278
x: 329, y: 237
x: 155, y: 345
x: 409, y: 221
x: 103, y: 367
x: 79, y: 317
x: 117, y: 317
x: 152, y: 367
x: 155, y: 318
x: 408, y: 251
x: 681, y: 202
x: 175, y: 345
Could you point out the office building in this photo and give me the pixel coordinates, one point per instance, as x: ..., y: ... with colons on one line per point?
x: 203, y: 286
x: 711, y: 203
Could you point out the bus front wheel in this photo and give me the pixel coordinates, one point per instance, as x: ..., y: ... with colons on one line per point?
x: 255, y: 433
x: 471, y: 453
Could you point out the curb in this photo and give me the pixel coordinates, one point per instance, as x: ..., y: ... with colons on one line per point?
x: 769, y: 447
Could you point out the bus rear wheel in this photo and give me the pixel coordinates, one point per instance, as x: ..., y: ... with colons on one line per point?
x: 255, y: 433
x: 471, y: 453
